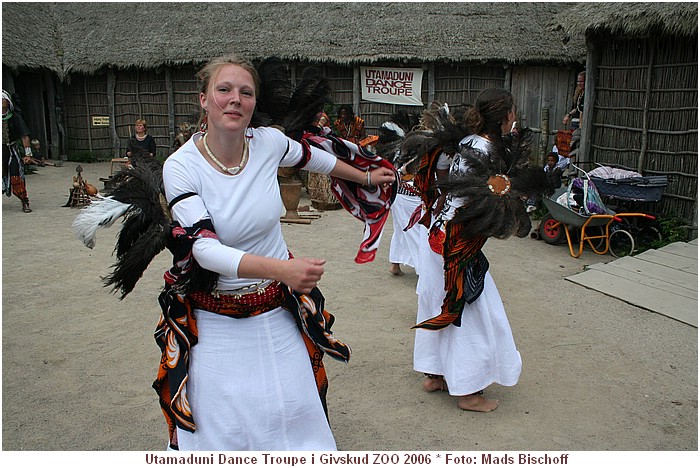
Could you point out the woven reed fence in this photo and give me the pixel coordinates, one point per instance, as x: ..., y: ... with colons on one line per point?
x: 645, y: 116
x: 166, y: 97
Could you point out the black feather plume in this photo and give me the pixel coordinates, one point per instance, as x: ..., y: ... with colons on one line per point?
x: 309, y: 98
x: 485, y: 211
x: 275, y: 90
x: 131, y: 265
x: 145, y: 226
x: 392, y: 134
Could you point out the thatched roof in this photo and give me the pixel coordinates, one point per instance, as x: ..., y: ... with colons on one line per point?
x: 94, y: 35
x: 30, y: 38
x: 630, y: 19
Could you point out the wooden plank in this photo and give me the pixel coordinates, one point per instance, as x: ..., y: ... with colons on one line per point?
x: 677, y: 262
x: 674, y: 306
x: 663, y: 279
x: 681, y: 248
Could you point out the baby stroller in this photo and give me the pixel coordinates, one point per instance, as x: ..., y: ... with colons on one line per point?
x: 578, y: 214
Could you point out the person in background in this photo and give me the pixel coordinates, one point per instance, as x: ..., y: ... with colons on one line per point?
x: 141, y: 139
x: 465, y: 348
x: 349, y: 126
x: 553, y: 171
x: 575, y: 114
x: 38, y: 155
x: 251, y: 379
x: 405, y: 243
x: 183, y: 135
x: 13, y: 159
x: 323, y: 122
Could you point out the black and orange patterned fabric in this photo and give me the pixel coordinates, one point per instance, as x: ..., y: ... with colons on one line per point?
x: 351, y: 131
x: 425, y: 182
x: 176, y: 332
x: 465, y: 268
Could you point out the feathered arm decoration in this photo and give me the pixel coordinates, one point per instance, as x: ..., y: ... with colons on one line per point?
x: 138, y: 198
x: 492, y: 188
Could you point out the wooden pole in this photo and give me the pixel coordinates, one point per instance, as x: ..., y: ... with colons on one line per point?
x: 111, y: 87
x: 171, y: 107
x: 54, y: 150
x: 431, y: 82
x: 544, y: 136
x: 138, y: 94
x: 508, y: 78
x: 356, y: 89
x: 87, y: 114
x: 588, y: 102
x: 647, y: 103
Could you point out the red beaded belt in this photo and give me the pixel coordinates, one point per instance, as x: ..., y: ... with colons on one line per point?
x: 241, y: 305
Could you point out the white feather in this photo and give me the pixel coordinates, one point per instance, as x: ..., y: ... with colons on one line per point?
x: 102, y: 212
x: 394, y: 128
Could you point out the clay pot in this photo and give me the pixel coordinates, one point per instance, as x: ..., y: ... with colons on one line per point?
x: 290, y: 190
x: 90, y: 189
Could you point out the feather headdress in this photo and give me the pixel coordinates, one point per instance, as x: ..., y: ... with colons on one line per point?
x: 436, y: 129
x: 392, y: 133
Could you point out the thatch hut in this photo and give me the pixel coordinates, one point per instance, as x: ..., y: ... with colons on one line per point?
x: 641, y: 101
x: 114, y: 62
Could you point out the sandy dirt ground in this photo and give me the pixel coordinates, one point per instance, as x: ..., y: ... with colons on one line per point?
x: 78, y: 363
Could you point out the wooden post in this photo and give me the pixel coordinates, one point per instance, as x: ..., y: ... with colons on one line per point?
x: 588, y: 103
x: 138, y: 95
x: 111, y: 87
x: 647, y: 103
x: 356, y: 89
x: 431, y: 82
x: 87, y: 114
x: 54, y: 150
x: 544, y: 136
x: 171, y: 108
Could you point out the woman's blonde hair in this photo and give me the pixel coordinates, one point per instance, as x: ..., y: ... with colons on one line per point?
x: 141, y: 122
x: 209, y: 70
x: 579, y: 90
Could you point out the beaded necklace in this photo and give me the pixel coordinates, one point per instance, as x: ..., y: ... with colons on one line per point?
x: 229, y: 170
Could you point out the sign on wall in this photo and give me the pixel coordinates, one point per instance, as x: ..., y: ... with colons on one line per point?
x: 392, y: 85
x: 100, y: 121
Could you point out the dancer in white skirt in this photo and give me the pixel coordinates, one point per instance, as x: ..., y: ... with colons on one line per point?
x: 249, y: 383
x: 463, y: 340
x: 404, y: 246
x: 403, y: 249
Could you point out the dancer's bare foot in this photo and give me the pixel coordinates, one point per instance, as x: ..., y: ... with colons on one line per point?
x: 433, y: 384
x: 476, y: 402
x: 396, y: 269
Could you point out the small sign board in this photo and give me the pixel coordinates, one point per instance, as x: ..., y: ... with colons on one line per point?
x: 100, y: 121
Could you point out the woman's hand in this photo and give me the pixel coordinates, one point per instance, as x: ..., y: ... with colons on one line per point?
x: 382, y: 176
x: 301, y: 274
x: 565, y: 120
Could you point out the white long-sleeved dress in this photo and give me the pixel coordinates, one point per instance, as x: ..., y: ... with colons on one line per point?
x: 250, y: 383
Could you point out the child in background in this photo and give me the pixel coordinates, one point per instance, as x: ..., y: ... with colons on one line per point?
x: 38, y: 155
x: 552, y: 171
